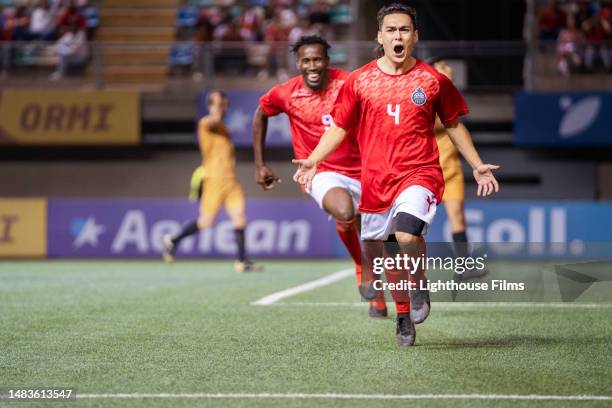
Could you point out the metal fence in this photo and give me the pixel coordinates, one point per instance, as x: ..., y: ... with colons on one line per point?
x: 489, y: 65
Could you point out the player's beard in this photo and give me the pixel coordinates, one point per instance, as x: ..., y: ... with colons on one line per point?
x: 317, y: 85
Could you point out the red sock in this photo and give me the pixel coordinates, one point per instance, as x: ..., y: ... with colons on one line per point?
x: 380, y: 304
x: 347, y: 231
x: 402, y: 307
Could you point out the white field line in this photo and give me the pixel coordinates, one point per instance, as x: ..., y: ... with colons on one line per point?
x: 296, y: 290
x: 463, y: 305
x: 335, y: 396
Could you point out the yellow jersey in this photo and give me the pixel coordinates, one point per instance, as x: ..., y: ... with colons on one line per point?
x: 217, y: 150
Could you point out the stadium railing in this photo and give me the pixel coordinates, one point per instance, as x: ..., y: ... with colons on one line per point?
x: 490, y: 65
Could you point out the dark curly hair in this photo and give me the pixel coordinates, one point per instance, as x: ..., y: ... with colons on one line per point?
x: 310, y: 40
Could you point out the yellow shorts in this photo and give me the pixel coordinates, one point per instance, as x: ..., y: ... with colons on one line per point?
x: 221, y: 192
x: 454, y: 184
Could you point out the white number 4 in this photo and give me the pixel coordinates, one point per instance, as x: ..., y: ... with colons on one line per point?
x: 395, y: 113
x: 327, y: 120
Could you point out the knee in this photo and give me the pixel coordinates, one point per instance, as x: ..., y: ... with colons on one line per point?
x: 406, y: 238
x: 204, y: 222
x: 344, y: 213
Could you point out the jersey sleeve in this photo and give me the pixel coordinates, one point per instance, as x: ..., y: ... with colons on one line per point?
x: 451, y: 104
x: 273, y: 102
x: 346, y: 107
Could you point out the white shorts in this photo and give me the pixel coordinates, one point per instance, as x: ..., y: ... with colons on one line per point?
x: 326, y: 180
x: 414, y: 200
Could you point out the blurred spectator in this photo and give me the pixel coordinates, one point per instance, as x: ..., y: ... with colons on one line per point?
x: 319, y: 13
x: 250, y: 23
x: 277, y: 36
x: 204, y: 27
x: 598, y: 33
x: 42, y: 22
x: 265, y: 26
x: 71, y: 49
x: 550, y: 21
x: 21, y: 25
x: 5, y: 41
x: 71, y: 15
x: 570, y: 44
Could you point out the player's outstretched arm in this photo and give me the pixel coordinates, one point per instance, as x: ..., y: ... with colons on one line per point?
x: 331, y: 139
x: 264, y: 176
x: 483, y: 173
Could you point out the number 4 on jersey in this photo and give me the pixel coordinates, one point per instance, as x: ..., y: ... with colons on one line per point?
x: 395, y: 113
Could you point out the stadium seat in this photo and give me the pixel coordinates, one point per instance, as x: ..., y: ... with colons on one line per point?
x: 26, y: 55
x: 202, y: 3
x: 341, y: 14
x: 92, y: 17
x: 181, y: 54
x: 186, y: 17
x: 338, y: 54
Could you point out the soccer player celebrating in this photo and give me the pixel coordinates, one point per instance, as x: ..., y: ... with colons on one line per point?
x: 308, y: 100
x: 219, y: 183
x: 454, y: 184
x: 392, y: 103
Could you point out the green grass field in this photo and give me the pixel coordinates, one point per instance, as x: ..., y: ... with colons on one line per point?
x: 130, y: 327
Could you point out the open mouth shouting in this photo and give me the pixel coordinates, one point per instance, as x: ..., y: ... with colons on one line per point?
x: 399, y: 51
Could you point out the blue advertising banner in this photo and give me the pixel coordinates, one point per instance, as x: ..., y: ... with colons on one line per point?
x: 110, y: 228
x: 563, y: 119
x: 239, y: 120
x: 135, y: 228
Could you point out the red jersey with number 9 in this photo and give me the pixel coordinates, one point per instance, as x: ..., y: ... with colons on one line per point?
x: 309, y: 115
x: 393, y: 117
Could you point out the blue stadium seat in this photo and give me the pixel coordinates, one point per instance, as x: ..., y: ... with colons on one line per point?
x: 181, y: 54
x: 92, y: 17
x: 26, y: 55
x: 202, y: 3
x: 340, y: 14
x: 186, y: 17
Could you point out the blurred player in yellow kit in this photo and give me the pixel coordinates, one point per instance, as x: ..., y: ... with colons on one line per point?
x: 454, y: 183
x: 219, y: 184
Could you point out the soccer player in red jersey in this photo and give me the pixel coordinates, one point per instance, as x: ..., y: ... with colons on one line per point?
x: 308, y: 100
x: 392, y: 103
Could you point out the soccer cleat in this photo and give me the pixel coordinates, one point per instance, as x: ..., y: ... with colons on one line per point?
x: 247, y: 266
x: 375, y: 312
x: 404, y: 330
x: 367, y: 291
x: 169, y: 249
x: 419, y: 305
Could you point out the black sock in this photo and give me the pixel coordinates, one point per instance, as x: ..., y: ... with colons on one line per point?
x: 239, y: 236
x: 459, y: 236
x: 460, y: 244
x: 188, y: 229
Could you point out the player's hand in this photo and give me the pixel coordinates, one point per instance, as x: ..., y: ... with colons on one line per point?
x: 485, y: 179
x: 266, y: 177
x: 305, y: 172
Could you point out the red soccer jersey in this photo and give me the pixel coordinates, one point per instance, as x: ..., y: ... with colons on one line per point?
x: 309, y: 114
x: 393, y: 117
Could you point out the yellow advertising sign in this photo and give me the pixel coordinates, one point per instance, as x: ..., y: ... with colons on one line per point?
x: 23, y: 227
x: 69, y: 117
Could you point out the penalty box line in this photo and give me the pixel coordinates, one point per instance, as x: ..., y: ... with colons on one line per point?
x: 308, y: 286
x: 335, y: 396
